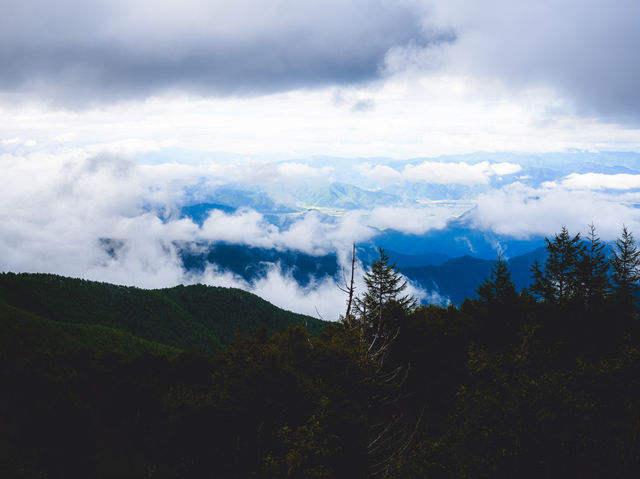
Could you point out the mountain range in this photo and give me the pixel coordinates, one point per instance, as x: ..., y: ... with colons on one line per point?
x: 459, y: 278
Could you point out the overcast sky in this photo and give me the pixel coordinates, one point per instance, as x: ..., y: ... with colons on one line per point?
x: 91, y: 89
x: 345, y: 77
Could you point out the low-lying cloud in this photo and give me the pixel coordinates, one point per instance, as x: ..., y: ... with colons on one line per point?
x: 100, y: 218
x: 461, y: 173
x: 311, y: 233
x: 411, y: 220
x: 105, y: 217
x: 599, y: 181
x: 439, y: 172
x: 522, y: 211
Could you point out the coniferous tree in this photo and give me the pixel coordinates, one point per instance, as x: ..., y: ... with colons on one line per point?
x: 379, y: 303
x: 498, y: 288
x: 499, y: 297
x: 626, y: 267
x: 558, y: 283
x: 593, y: 269
x: 539, y: 286
x: 380, y: 312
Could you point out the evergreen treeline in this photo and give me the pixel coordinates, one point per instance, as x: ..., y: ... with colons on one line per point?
x: 539, y: 383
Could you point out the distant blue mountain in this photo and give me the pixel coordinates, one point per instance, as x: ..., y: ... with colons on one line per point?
x: 454, y: 278
x: 459, y: 278
x: 425, y: 259
x: 589, y: 167
x: 252, y: 263
x: 235, y: 197
x: 343, y: 196
x: 459, y: 238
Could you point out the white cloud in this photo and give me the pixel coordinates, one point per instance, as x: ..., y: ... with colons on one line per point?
x: 245, y: 226
x: 409, y: 220
x: 292, y: 171
x: 321, y: 299
x: 56, y: 209
x: 599, y: 181
x: 462, y: 173
x: 55, y: 214
x: 380, y: 173
x: 413, y: 118
x: 310, y: 233
x: 314, y: 234
x: 521, y: 211
x: 434, y: 297
x: 504, y: 168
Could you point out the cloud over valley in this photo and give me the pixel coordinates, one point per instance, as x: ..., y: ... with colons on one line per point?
x: 113, y: 218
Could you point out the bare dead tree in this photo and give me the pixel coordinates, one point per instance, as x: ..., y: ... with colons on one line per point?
x: 380, y: 312
x: 349, y: 288
x: 377, y: 315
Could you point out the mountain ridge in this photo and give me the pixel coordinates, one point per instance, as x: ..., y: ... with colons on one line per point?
x: 197, y: 317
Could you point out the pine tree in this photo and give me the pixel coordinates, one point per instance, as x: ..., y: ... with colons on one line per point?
x: 498, y: 288
x: 559, y: 281
x: 593, y: 269
x: 380, y: 304
x: 539, y: 287
x: 380, y: 313
x: 626, y: 267
x: 501, y: 317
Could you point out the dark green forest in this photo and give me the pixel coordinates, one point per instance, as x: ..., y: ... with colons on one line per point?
x: 58, y: 313
x: 195, y: 382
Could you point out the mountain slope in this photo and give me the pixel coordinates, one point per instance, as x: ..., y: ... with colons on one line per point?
x: 343, y: 196
x: 213, y: 307
x: 144, y: 314
x: 24, y: 332
x: 186, y: 318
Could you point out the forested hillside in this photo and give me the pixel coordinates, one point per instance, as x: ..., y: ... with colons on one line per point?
x: 192, y: 318
x: 539, y: 383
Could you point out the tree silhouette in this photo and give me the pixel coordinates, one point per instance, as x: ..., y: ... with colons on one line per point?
x: 593, y: 270
x: 626, y: 268
x: 558, y: 283
x: 380, y: 304
x: 498, y: 287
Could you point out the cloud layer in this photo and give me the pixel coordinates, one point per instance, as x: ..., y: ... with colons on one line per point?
x: 439, y: 172
x: 97, y: 218
x: 522, y: 211
x: 79, y: 53
x: 584, y: 50
x: 107, y: 217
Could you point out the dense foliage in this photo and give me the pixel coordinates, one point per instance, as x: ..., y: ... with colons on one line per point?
x: 194, y: 318
x: 541, y: 383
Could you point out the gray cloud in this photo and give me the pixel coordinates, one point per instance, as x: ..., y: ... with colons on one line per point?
x: 76, y: 53
x: 586, y: 51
